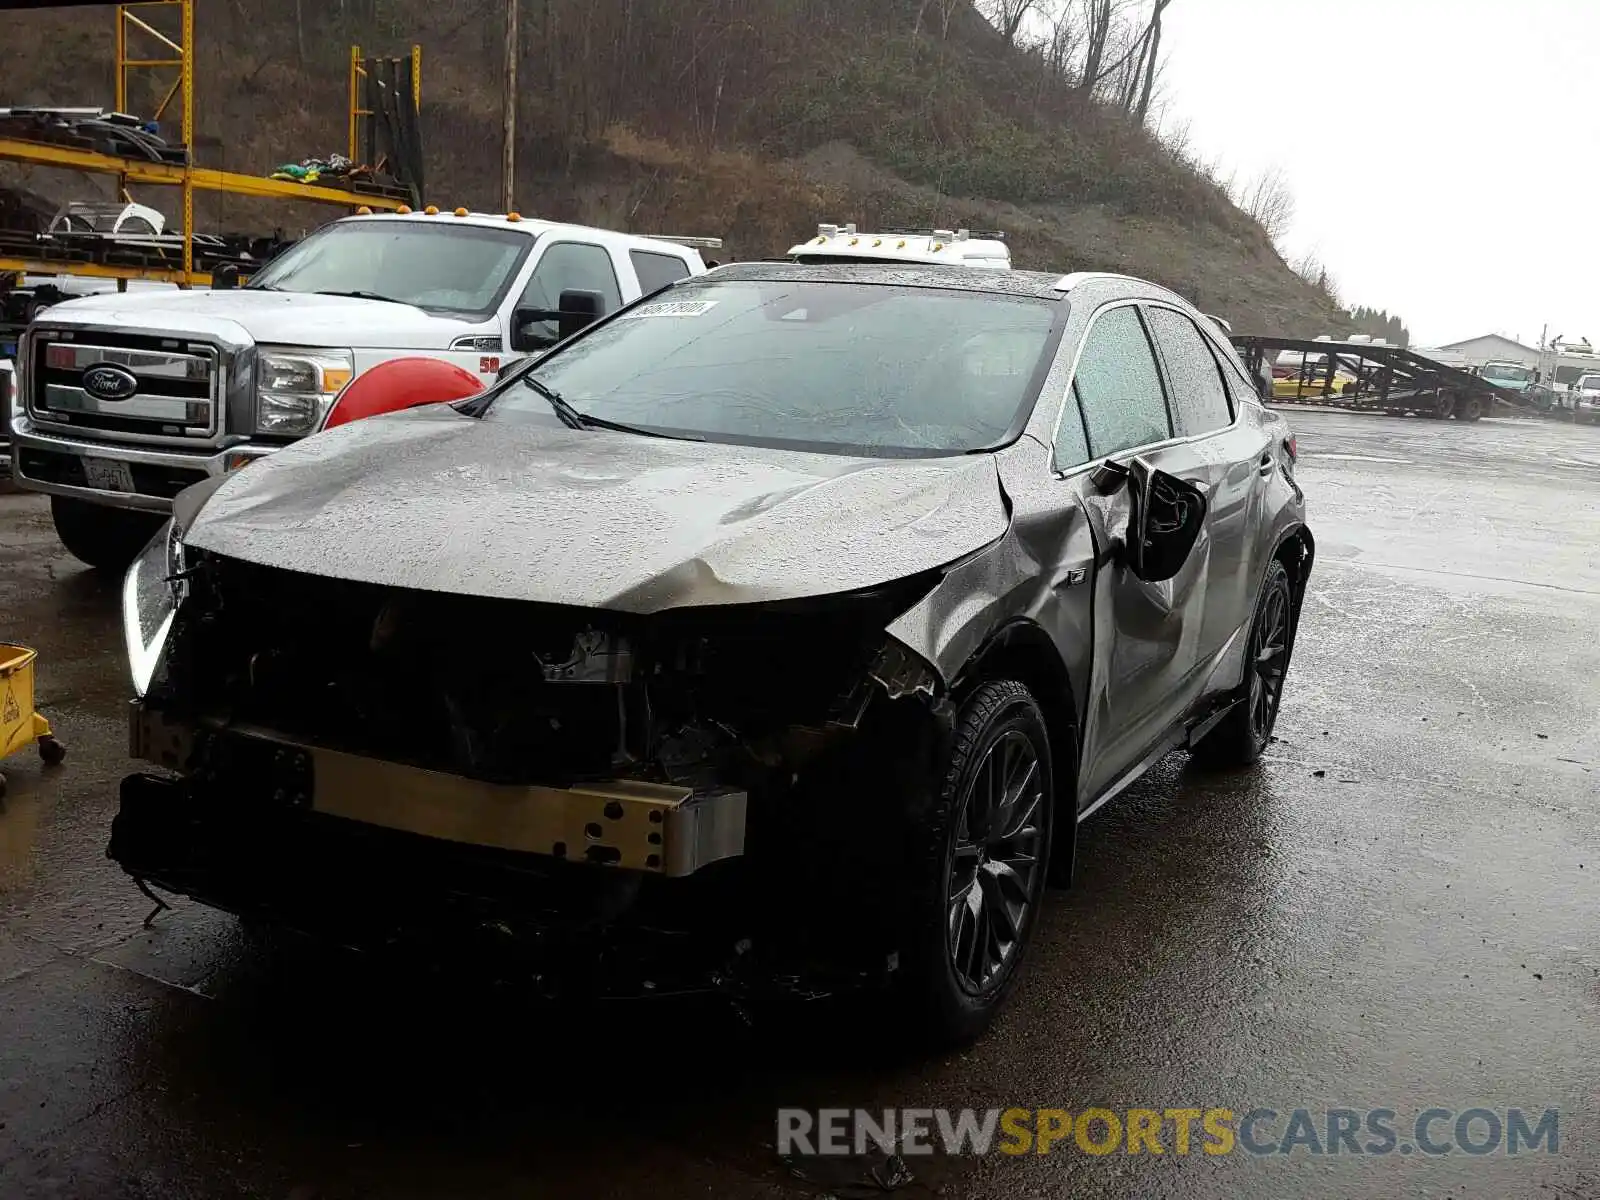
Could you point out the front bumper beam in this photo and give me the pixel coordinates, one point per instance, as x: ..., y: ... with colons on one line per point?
x: 659, y: 829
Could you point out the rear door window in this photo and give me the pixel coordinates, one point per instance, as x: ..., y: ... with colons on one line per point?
x: 1200, y: 402
x: 656, y: 271
x: 1119, y: 387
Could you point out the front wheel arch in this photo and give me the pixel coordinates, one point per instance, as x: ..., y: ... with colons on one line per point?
x: 1020, y: 650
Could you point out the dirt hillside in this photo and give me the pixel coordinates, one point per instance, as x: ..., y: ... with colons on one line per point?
x: 749, y: 119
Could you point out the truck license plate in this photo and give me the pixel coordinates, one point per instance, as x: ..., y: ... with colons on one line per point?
x: 107, y: 474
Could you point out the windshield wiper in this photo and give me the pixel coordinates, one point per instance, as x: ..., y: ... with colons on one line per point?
x: 367, y: 296
x: 573, y: 419
x: 570, y: 417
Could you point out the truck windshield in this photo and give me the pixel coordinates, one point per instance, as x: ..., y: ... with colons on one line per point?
x: 1504, y: 373
x: 874, y: 369
x: 435, y: 265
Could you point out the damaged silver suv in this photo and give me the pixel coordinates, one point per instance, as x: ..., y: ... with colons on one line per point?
x: 774, y: 633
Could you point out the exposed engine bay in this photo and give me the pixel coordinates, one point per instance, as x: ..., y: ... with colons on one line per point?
x: 757, y: 755
x: 523, y: 693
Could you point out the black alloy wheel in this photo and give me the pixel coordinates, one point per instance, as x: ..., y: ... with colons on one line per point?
x: 979, y: 864
x: 996, y: 863
x: 1269, y: 661
x: 1240, y: 737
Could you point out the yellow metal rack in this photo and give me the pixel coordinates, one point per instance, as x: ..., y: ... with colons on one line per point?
x: 146, y: 41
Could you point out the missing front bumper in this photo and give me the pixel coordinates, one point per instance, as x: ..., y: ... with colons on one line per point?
x: 655, y: 828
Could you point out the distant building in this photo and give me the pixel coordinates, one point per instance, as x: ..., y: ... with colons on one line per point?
x: 1558, y: 367
x: 1492, y: 347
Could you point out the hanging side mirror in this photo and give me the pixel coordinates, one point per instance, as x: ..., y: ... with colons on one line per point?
x: 1167, y: 518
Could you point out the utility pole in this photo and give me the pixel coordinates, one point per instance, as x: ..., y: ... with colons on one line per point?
x: 508, y: 162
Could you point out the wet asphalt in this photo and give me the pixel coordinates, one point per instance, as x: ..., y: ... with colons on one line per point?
x: 1396, y: 910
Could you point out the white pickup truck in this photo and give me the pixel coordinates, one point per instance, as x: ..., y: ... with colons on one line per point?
x: 123, y: 400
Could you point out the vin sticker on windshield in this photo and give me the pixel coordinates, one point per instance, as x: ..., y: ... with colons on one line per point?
x: 671, y: 308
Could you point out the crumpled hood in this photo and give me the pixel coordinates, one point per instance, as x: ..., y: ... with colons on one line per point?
x: 285, y: 318
x: 436, y: 501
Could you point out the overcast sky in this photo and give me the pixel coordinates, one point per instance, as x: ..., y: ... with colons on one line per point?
x: 1444, y: 154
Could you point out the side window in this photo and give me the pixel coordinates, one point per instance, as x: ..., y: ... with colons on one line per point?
x: 568, y: 266
x: 1240, y: 384
x: 1072, y: 443
x: 1119, y: 387
x: 655, y: 271
x: 1199, y: 401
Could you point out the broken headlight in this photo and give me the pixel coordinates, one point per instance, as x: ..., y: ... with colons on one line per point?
x: 150, y: 596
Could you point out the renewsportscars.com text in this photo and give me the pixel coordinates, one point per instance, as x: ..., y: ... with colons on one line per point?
x: 1170, y: 1131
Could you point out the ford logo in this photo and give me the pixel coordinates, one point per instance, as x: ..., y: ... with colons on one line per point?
x: 107, y: 381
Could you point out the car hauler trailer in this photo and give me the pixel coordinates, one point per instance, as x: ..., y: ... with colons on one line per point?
x: 1372, y: 376
x: 156, y: 37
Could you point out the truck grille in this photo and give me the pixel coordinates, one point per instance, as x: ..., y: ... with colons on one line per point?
x: 142, y: 388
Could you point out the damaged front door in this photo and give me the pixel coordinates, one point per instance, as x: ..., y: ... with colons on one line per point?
x: 1146, y: 630
x: 1141, y: 503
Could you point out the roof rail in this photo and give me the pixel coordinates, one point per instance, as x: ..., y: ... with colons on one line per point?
x: 1067, y: 282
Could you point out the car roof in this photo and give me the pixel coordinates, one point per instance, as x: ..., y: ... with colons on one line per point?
x: 1038, y: 284
x: 1044, y: 285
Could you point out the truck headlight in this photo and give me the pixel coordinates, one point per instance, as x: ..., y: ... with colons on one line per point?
x: 150, y: 596
x: 295, y: 388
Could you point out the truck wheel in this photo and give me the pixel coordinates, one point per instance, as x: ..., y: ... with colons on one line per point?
x: 1470, y: 408
x: 102, y: 537
x: 1444, y: 406
x: 1241, y: 736
x: 980, y: 856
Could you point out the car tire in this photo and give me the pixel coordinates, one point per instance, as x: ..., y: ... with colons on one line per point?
x: 1240, y: 737
x: 105, y: 538
x: 980, y: 859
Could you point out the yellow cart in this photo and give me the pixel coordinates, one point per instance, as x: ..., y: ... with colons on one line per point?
x: 20, y: 726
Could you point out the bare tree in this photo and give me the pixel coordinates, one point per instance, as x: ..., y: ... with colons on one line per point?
x: 1122, y: 52
x: 947, y: 10
x: 1310, y: 267
x: 1151, y: 60
x: 1059, y: 47
x: 1100, y: 20
x: 943, y: 9
x: 1269, y: 201
x: 1007, y: 15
